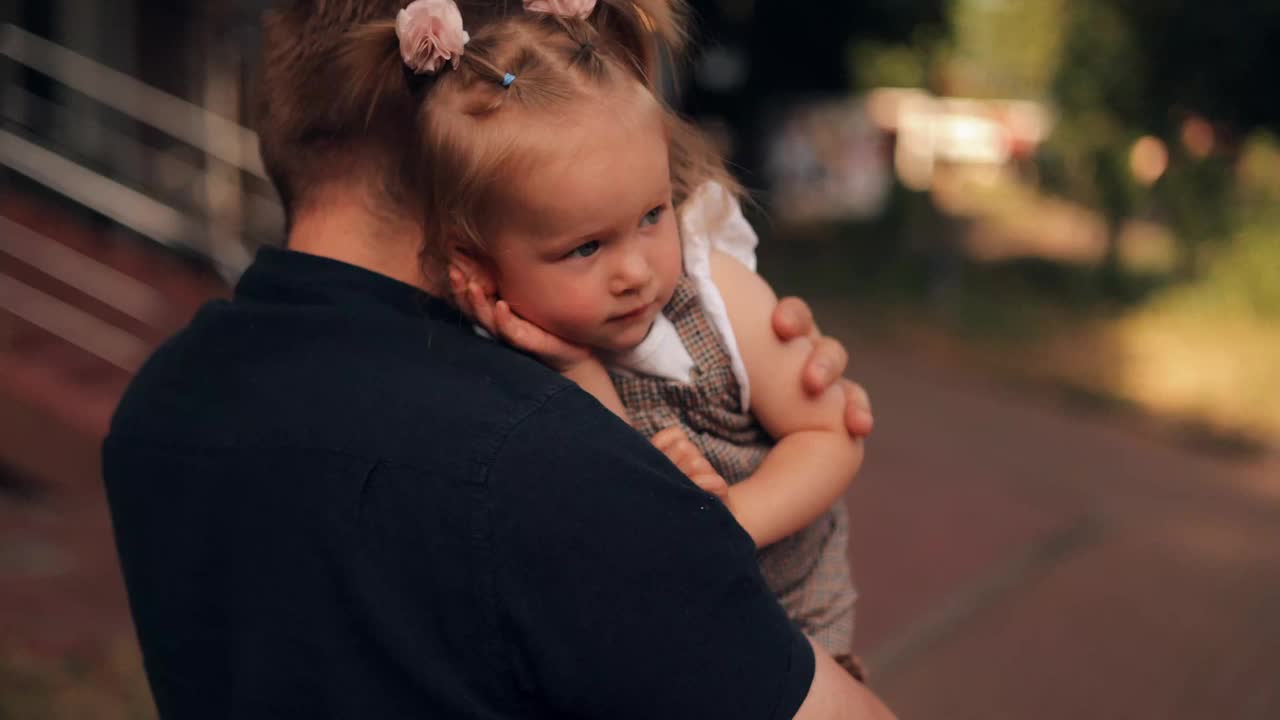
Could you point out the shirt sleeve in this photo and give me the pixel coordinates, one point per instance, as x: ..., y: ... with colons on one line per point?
x: 625, y: 591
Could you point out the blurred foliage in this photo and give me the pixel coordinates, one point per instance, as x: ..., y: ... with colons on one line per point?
x: 1002, y: 48
x: 879, y: 64
x: 1208, y: 58
x: 1113, y: 71
x: 1162, y: 166
x: 1085, y: 156
x: 1144, y: 61
x: 1243, y: 277
x: 1259, y: 172
x: 981, y: 48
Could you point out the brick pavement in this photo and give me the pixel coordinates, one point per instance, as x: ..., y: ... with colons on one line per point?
x: 1018, y: 561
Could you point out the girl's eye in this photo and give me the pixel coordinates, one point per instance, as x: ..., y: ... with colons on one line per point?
x: 585, y: 249
x: 653, y: 216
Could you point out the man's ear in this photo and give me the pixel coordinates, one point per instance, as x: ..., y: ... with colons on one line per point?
x: 473, y: 267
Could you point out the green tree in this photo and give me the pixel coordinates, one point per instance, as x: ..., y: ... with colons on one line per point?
x: 1005, y: 48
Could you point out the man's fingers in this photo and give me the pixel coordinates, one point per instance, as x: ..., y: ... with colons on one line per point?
x: 792, y: 318
x: 858, y: 417
x: 827, y: 362
x: 857, y: 395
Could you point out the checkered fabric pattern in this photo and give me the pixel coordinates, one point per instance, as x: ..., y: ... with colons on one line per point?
x: 808, y: 571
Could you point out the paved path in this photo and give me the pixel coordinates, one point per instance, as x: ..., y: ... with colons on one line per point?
x: 1019, y: 561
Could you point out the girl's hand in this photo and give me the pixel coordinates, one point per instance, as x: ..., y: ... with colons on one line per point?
x: 681, y: 451
x: 477, y: 300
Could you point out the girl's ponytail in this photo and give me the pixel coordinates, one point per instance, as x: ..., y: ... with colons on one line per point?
x: 644, y: 29
x: 666, y: 19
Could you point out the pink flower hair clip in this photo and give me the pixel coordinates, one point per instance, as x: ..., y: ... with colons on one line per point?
x: 430, y: 34
x: 564, y: 8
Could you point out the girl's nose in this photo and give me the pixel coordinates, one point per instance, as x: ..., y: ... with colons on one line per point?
x: 633, y: 274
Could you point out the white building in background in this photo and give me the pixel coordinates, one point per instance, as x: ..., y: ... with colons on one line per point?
x: 958, y: 131
x: 835, y: 159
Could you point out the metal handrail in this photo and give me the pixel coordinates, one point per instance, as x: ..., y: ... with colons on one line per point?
x: 97, y: 280
x: 120, y: 348
x: 124, y: 205
x: 21, y: 106
x: 226, y: 140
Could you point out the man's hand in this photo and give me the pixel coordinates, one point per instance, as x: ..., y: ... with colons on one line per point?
x: 792, y: 318
x: 682, y: 453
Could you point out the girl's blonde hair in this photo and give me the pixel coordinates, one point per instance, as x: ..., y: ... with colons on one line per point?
x: 470, y: 139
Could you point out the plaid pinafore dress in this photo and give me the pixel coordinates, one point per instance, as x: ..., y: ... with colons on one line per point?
x: 809, y: 571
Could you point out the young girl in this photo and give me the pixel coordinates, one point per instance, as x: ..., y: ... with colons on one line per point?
x: 589, y: 226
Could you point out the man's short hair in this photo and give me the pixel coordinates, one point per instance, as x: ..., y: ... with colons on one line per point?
x: 304, y: 142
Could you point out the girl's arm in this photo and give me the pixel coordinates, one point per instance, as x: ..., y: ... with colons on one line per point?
x: 815, y: 458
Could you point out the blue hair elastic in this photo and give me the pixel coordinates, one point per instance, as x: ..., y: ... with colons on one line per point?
x: 508, y: 79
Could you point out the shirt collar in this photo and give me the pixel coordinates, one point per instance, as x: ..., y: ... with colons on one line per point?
x: 278, y: 275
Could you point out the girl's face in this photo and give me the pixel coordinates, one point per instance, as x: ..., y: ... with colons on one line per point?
x: 590, y: 248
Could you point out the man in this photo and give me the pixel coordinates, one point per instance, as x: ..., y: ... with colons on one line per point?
x: 331, y: 498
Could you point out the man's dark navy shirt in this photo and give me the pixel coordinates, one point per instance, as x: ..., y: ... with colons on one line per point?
x: 332, y: 499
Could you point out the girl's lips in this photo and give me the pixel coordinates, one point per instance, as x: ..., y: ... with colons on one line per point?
x: 632, y: 315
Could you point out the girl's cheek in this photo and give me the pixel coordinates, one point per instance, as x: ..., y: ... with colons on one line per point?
x: 578, y: 307
x: 564, y: 306
x: 673, y: 263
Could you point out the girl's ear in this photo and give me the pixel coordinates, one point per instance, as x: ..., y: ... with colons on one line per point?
x: 472, y: 268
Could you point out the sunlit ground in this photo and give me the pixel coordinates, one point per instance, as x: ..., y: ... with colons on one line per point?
x: 1003, y: 281
x: 1191, y: 352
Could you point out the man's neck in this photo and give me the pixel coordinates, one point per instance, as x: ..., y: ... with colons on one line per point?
x: 345, y: 230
